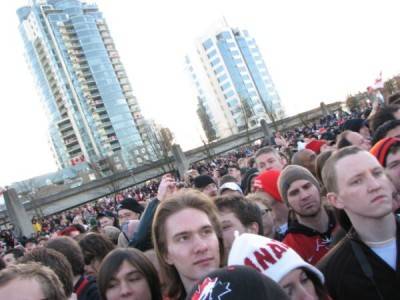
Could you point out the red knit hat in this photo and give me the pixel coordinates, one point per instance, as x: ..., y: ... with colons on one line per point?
x: 315, y: 145
x: 269, y: 183
x: 381, y: 149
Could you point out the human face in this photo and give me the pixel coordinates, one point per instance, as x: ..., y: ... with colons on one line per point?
x: 298, y: 286
x: 230, y: 223
x: 234, y: 173
x: 92, y: 267
x: 267, y: 219
x: 211, y: 190
x: 9, y: 259
x: 304, y: 198
x: 393, y: 168
x: 364, y: 191
x: 30, y: 246
x: 128, y: 283
x: 358, y: 140
x: 126, y: 215
x: 364, y: 131
x: 106, y: 221
x: 268, y: 161
x: 192, y: 245
x: 27, y: 289
x: 395, y: 132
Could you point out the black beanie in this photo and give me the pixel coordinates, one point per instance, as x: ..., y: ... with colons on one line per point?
x: 202, y: 181
x: 236, y: 283
x: 354, y: 125
x: 131, y: 204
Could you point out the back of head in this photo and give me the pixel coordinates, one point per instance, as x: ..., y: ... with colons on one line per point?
x: 49, y: 283
x: 71, y: 250
x: 112, y: 263
x: 55, y: 261
x: 320, y: 162
x: 236, y: 283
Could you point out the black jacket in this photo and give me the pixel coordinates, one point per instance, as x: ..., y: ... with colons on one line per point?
x: 142, y: 237
x: 86, y: 289
x: 345, y: 279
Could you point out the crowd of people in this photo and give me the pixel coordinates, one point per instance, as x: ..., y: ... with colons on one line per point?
x: 310, y: 213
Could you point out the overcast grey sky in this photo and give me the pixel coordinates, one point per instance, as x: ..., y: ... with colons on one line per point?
x: 315, y: 51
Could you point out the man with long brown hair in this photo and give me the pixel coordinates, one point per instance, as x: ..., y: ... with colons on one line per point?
x: 187, y: 240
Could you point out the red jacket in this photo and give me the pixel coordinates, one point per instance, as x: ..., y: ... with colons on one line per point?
x: 310, y: 244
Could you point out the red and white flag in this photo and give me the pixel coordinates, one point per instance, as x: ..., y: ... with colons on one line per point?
x: 378, y: 84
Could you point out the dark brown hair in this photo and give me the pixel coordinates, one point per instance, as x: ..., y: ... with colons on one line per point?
x: 113, y: 261
x: 181, y: 200
x: 95, y: 246
x: 246, y: 211
x: 71, y: 250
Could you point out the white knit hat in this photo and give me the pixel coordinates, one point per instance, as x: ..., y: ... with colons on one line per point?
x: 272, y: 258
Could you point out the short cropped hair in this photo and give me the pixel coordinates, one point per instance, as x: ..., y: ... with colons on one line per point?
x: 47, y: 279
x: 266, y: 150
x: 246, y: 211
x: 329, y: 176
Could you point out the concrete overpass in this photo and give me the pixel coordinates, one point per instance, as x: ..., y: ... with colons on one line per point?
x: 102, y: 187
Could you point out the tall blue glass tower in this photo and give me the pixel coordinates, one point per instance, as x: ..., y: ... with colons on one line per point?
x: 88, y: 99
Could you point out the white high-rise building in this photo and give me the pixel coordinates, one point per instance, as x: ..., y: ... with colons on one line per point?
x: 234, y: 88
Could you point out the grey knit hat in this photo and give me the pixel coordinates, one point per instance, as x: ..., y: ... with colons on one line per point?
x: 292, y: 173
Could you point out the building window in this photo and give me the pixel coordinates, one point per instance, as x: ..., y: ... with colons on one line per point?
x: 215, y: 61
x: 212, y: 54
x: 207, y: 44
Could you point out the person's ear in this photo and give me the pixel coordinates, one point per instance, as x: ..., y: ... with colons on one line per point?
x: 253, y: 228
x: 335, y: 200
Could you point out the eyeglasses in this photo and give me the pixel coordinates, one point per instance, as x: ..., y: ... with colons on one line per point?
x: 265, y: 211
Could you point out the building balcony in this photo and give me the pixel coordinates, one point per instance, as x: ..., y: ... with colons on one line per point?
x: 65, y: 125
x: 70, y: 142
x: 68, y: 134
x: 73, y: 149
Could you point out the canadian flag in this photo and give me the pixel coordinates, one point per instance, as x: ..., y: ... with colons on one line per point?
x: 378, y: 84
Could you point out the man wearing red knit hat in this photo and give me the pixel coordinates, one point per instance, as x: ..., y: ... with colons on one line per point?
x: 268, y: 181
